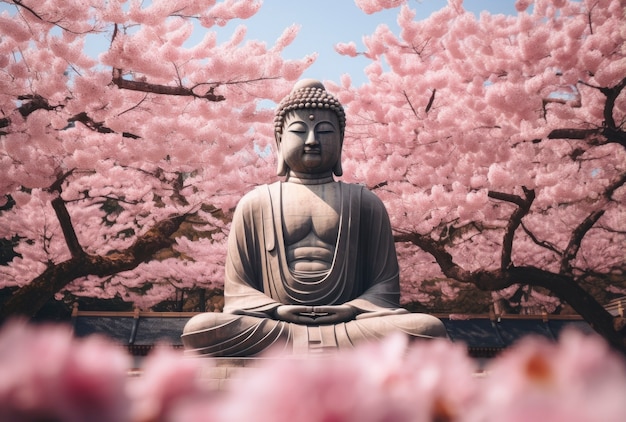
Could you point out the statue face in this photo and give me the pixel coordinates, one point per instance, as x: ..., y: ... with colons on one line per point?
x: 311, y: 141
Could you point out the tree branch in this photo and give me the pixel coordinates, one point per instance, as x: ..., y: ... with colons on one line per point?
x: 567, y: 289
x: 608, y: 130
x: 612, y: 135
x: 73, y: 244
x: 577, y: 236
x: 506, y: 197
x: 431, y: 101
x: 162, y: 89
x: 65, y: 221
x: 564, y: 287
x: 31, y: 103
x: 572, y: 133
x: 410, y: 103
x: 438, y: 251
x: 523, y: 207
x: 611, y: 96
x: 549, y: 246
x: 35, y: 14
x: 99, y: 127
x: 35, y: 102
x: 579, y: 233
x: 32, y: 297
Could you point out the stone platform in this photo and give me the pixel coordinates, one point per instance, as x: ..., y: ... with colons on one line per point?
x: 221, y: 373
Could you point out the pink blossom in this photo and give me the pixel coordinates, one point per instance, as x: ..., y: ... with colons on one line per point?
x: 287, y: 37
x: 383, y: 381
x: 576, y: 380
x: 346, y: 49
x: 46, y: 373
x: 169, y: 382
x: 373, y: 6
x: 13, y: 29
x: 492, y: 80
x: 522, y: 5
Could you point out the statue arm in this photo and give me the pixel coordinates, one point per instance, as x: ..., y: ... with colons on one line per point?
x: 381, y: 278
x: 243, y: 285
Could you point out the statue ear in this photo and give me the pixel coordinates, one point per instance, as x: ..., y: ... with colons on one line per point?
x: 281, y: 167
x: 337, y: 170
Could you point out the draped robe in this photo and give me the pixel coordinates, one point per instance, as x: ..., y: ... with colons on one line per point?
x: 364, y: 274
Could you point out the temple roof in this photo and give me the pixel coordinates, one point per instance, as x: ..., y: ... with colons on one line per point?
x: 484, y: 335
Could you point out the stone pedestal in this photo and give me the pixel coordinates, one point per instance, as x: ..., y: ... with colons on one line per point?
x: 218, y: 373
x: 221, y: 373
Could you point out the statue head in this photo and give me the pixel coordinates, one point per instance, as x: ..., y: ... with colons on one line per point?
x: 309, y: 99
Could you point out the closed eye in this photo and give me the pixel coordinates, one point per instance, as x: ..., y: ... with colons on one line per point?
x: 325, y: 128
x: 297, y: 127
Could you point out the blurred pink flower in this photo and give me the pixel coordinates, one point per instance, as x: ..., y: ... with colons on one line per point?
x: 435, y: 380
x: 49, y: 375
x: 169, y: 381
x: 386, y: 381
x: 578, y: 379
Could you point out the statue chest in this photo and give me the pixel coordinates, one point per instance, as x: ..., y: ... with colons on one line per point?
x: 311, y: 214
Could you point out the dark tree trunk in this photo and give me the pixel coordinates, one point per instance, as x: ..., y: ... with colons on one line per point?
x: 28, y: 300
x: 568, y: 290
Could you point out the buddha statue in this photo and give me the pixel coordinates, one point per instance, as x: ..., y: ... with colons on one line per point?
x: 311, y: 263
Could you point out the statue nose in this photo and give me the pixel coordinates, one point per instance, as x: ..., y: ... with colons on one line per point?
x: 311, y: 139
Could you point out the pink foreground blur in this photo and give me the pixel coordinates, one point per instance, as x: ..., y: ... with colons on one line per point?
x: 49, y: 374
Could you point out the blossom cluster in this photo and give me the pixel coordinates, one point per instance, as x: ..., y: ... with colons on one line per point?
x: 48, y: 374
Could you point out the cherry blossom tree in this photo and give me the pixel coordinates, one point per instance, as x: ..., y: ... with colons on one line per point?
x: 109, y: 157
x: 498, y: 144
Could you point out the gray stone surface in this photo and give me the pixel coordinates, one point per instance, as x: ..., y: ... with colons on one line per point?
x: 219, y: 373
x: 224, y: 373
x: 311, y: 263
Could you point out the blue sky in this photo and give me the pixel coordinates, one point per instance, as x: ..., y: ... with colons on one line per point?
x: 325, y: 23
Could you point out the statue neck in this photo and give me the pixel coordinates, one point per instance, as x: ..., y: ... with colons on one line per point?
x: 309, y: 179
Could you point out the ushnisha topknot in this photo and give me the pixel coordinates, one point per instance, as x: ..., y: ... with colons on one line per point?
x: 308, y: 93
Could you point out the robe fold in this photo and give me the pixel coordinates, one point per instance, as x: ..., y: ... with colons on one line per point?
x: 364, y: 274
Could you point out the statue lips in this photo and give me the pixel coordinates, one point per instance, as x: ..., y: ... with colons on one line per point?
x: 312, y: 150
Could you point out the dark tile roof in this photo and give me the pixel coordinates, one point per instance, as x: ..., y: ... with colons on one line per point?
x: 484, y: 335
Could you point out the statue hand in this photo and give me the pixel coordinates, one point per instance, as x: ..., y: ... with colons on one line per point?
x: 332, y: 314
x: 315, y: 315
x: 293, y: 313
x: 384, y: 312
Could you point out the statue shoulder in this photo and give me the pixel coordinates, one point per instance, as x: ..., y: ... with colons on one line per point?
x: 254, y: 199
x: 369, y: 199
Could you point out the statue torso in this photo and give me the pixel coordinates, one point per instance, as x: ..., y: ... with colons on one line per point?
x: 311, y: 215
